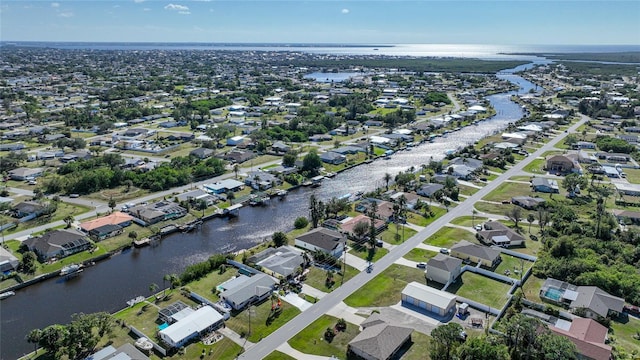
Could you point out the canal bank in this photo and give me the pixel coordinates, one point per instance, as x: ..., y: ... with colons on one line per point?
x: 128, y: 274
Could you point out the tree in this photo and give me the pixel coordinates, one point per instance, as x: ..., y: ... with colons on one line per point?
x: 279, y: 238
x: 387, y: 179
x: 373, y: 215
x: 311, y: 162
x: 112, y: 204
x: 360, y: 230
x: 480, y: 348
x: 236, y: 169
x: 133, y: 235
x: 153, y: 287
x: 289, y: 159
x: 28, y: 264
x: 128, y: 184
x: 474, y: 212
x: 68, y: 220
x: 316, y: 210
x: 301, y: 222
x: 550, y: 346
x: 445, y: 339
x: 573, y: 182
x: 530, y: 219
x: 201, y: 205
x: 515, y: 215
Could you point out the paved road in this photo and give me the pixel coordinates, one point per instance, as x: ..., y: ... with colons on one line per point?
x: 271, y: 342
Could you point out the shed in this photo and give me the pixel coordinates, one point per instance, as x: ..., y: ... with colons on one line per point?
x: 426, y: 298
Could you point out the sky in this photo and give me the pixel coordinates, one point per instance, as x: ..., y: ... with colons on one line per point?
x: 504, y: 22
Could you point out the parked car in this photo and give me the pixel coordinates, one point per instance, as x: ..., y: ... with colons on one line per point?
x: 421, y: 265
x: 74, y: 196
x: 444, y: 251
x: 478, y: 227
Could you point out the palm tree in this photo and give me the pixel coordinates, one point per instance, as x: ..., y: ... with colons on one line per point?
x: 474, y: 212
x: 387, y: 178
x: 530, y: 219
x: 68, y: 220
x: 153, y: 287
x: 236, y: 169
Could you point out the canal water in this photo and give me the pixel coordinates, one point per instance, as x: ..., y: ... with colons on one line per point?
x: 108, y: 285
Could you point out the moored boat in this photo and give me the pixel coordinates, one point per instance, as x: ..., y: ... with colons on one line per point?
x: 6, y: 294
x: 71, y: 269
x: 141, y: 242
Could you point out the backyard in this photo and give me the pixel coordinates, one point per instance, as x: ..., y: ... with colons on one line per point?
x: 447, y: 236
x: 481, y: 289
x: 317, y: 277
x: 258, y: 321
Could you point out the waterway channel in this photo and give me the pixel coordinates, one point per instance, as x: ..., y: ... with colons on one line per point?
x: 107, y: 286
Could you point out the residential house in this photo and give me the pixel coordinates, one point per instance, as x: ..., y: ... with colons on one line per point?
x: 627, y: 188
x: 124, y: 352
x: 333, y: 158
x: 627, y: 216
x: 280, y: 148
x: 202, y: 153
x: 58, y: 243
x: 238, y: 156
x: 427, y: 190
x: 484, y: 255
x: 8, y: 262
x: 116, y: 218
x: 29, y: 209
x: 589, y: 337
x: 159, y: 211
x: 583, y: 145
x: 562, y: 164
x: 321, y: 239
x: 426, y: 298
x: 384, y: 208
x: 348, y: 226
x: 105, y: 231
x: 527, y: 202
x: 545, y: 185
x: 243, y: 290
x: 496, y: 233
x: 224, y: 186
x: 443, y: 269
x: 378, y: 340
x: 197, y: 195
x: 279, y: 262
x: 23, y: 173
x: 595, y: 301
x: 191, y: 324
x: 261, y: 180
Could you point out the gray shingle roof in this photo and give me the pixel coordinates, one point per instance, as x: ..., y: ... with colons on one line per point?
x: 381, y: 340
x: 444, y: 262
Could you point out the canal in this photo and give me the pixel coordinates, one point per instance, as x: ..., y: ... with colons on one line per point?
x: 107, y: 286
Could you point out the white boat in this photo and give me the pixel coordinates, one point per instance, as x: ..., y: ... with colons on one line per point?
x: 137, y: 300
x: 6, y: 294
x: 71, y: 269
x: 144, y: 344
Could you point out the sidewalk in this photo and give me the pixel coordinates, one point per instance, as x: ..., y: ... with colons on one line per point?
x: 297, y: 301
x: 233, y: 336
x: 310, y: 290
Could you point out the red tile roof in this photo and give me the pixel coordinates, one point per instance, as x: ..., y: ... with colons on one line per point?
x: 115, y: 218
x: 589, y: 337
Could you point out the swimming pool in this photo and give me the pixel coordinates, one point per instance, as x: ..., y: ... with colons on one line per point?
x: 163, y: 326
x: 553, y: 294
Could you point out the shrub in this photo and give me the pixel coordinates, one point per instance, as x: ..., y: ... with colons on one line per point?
x: 301, y: 222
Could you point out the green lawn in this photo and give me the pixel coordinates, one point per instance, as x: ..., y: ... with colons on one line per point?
x: 467, y: 190
x: 507, y: 190
x: 531, y: 288
x: 365, y: 253
x: 260, y: 325
x: 633, y: 175
x: 419, y: 255
x: 277, y: 355
x: 385, y: 289
x: 419, y: 349
x: 448, y: 236
x: 622, y: 335
x: 389, y: 235
x: 316, y: 278
x: 491, y: 208
x: 468, y: 220
x: 422, y: 221
x: 206, y: 286
x: 512, y: 264
x: 481, y: 289
x: 311, y: 339
x: 535, y: 167
x: 64, y: 209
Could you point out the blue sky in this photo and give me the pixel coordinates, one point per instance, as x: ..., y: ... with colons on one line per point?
x: 506, y: 22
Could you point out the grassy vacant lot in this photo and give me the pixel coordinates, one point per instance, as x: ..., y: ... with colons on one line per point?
x: 623, y: 335
x: 385, y: 289
x: 507, y: 190
x: 467, y: 190
x: 389, y: 235
x: 206, y: 286
x: 535, y: 167
x: 316, y: 278
x: 481, y: 289
x: 422, y: 221
x: 119, y: 194
x: 469, y: 220
x: 633, y: 175
x: 311, y: 339
x: 365, y: 253
x: 260, y: 326
x: 448, y: 236
x: 419, y: 255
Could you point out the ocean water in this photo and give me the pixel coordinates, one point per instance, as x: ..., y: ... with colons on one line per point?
x: 480, y: 51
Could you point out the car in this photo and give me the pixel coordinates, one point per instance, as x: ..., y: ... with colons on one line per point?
x: 74, y: 196
x: 444, y: 251
x: 478, y: 227
x: 33, y: 182
x: 421, y: 265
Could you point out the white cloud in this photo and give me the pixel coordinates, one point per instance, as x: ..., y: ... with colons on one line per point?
x: 66, y: 14
x: 55, y: 4
x: 176, y: 7
x: 138, y: 1
x: 184, y: 12
x: 345, y: 11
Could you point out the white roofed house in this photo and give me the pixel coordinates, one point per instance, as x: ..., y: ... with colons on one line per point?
x: 191, y: 324
x: 423, y: 297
